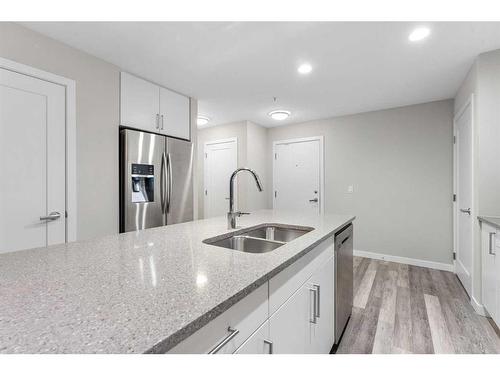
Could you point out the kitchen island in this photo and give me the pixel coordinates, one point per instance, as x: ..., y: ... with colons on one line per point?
x: 139, y: 292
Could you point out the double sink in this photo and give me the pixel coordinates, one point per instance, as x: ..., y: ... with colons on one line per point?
x: 259, y: 239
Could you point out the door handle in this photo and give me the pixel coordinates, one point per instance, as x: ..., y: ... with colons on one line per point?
x: 163, y: 173
x: 271, y: 345
x: 492, y: 243
x: 170, y: 181
x: 161, y: 122
x: 220, y: 345
x: 313, y: 200
x: 465, y: 211
x: 157, y: 123
x: 314, y: 318
x: 51, y: 217
x: 318, y: 301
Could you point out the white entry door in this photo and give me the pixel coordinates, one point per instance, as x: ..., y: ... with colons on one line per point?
x: 297, y: 175
x: 463, y: 180
x: 32, y: 161
x: 221, y: 160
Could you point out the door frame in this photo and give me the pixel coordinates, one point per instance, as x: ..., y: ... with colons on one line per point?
x: 205, y: 182
x: 319, y: 138
x: 458, y: 114
x: 70, y: 89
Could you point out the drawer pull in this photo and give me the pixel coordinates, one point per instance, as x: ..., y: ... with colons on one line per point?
x: 492, y: 243
x: 220, y: 345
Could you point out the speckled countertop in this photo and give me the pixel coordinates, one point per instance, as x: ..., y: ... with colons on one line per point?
x: 495, y: 221
x: 137, y: 292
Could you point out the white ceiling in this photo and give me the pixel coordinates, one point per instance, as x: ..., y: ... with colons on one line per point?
x: 235, y: 69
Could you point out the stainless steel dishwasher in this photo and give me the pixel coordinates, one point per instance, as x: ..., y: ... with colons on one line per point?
x: 343, y: 279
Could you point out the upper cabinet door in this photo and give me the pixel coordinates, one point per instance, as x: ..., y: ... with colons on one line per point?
x: 174, y: 113
x: 139, y: 103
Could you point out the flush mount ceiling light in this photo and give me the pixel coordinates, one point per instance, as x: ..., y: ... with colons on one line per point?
x: 305, y: 68
x: 202, y: 120
x: 279, y: 115
x: 419, y: 33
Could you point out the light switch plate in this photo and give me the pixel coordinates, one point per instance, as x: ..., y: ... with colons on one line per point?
x: 350, y: 189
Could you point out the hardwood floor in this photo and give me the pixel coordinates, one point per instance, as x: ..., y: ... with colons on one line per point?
x: 407, y: 309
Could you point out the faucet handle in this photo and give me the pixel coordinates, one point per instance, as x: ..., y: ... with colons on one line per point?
x: 243, y: 213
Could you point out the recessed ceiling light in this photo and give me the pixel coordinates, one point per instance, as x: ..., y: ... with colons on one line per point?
x: 202, y: 120
x: 305, y: 68
x: 419, y: 33
x: 279, y: 115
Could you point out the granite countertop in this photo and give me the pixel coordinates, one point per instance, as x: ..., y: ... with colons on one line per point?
x: 495, y: 221
x: 137, y: 292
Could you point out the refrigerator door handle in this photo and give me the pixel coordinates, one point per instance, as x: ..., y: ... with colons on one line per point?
x: 163, y: 173
x: 170, y: 181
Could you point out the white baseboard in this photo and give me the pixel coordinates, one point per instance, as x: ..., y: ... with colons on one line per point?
x: 403, y: 260
x: 478, y: 307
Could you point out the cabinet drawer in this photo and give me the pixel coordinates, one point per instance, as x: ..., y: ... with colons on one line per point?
x: 284, y: 284
x: 246, y: 316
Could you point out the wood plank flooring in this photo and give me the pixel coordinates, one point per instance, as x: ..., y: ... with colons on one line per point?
x: 407, y: 309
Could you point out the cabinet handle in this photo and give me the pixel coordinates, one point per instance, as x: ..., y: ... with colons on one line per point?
x: 161, y: 122
x: 157, y: 124
x: 318, y: 304
x: 492, y: 243
x: 220, y: 345
x: 271, y: 345
x: 314, y: 319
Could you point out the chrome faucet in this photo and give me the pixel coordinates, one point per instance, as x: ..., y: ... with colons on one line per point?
x: 231, y: 215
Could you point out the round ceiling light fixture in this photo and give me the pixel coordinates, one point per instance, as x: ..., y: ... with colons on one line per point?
x: 279, y: 115
x: 418, y: 34
x: 202, y: 120
x: 305, y: 68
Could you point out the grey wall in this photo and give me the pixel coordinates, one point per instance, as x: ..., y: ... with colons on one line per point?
x: 252, y: 147
x: 400, y: 163
x: 97, y: 118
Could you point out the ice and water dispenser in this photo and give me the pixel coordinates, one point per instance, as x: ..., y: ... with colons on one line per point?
x: 143, y: 182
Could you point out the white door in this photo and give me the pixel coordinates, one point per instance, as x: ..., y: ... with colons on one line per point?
x: 174, y: 112
x: 297, y: 175
x: 464, y: 215
x: 139, y: 103
x: 32, y: 161
x: 221, y: 160
x: 321, y: 333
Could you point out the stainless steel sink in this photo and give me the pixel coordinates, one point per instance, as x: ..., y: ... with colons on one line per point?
x: 277, y: 233
x: 262, y: 238
x: 248, y: 244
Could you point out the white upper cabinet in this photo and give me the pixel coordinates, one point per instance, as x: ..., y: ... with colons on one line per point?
x: 174, y: 113
x: 146, y: 106
x: 139, y: 103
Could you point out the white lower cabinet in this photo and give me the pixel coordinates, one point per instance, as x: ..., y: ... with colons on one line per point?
x: 258, y: 343
x: 491, y: 271
x: 291, y: 314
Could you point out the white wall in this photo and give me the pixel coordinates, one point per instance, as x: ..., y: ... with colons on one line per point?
x: 400, y: 163
x: 97, y: 118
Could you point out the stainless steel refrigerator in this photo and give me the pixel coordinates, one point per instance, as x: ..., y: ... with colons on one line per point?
x: 156, y: 183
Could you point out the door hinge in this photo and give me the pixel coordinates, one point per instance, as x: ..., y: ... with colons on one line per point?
x: 454, y: 139
x: 65, y: 214
x: 275, y: 156
x: 275, y: 194
x: 454, y: 197
x: 454, y: 255
x: 206, y: 155
x: 206, y: 193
